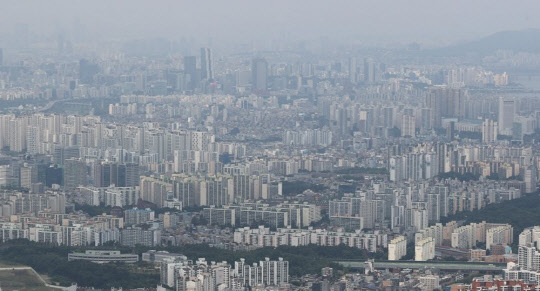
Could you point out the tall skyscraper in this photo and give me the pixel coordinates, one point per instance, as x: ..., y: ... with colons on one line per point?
x: 507, y: 110
x: 370, y: 71
x: 192, y: 74
x: 207, y: 71
x: 1, y: 57
x: 517, y: 132
x: 451, y: 130
x: 353, y: 70
x: 87, y: 70
x: 190, y: 65
x: 259, y: 71
x: 74, y: 173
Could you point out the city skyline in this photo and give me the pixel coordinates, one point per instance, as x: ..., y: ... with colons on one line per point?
x: 278, y: 145
x: 367, y: 23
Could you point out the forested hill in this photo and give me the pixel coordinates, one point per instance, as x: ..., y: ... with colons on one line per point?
x: 520, y: 213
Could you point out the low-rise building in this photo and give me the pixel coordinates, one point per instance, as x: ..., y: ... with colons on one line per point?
x: 154, y: 256
x: 103, y: 257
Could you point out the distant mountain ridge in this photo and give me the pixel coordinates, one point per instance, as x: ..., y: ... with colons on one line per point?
x: 527, y: 40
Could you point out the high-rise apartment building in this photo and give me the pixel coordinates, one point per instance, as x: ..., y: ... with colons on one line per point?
x: 424, y: 250
x: 408, y: 126
x: 445, y: 102
x: 397, y: 248
x: 137, y: 216
x: 490, y: 129
x: 370, y: 71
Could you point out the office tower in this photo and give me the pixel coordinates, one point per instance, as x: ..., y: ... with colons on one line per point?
x: 60, y: 154
x: 445, y: 102
x: 207, y: 71
x: 353, y: 70
x: 1, y: 57
x: 74, y: 173
x: 190, y: 64
x: 7, y: 177
x: 190, y: 70
x: 517, y: 132
x: 259, y: 71
x: 451, y: 130
x: 442, y: 192
x: 87, y: 71
x: 507, y: 110
x: 434, y: 207
x: 53, y: 175
x: 175, y: 80
x: 120, y: 175
x: 132, y: 174
x: 102, y: 175
x: 387, y: 117
x: 425, y: 119
x: 29, y: 176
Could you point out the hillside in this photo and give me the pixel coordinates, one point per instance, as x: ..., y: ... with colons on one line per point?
x: 522, y: 40
x: 520, y: 213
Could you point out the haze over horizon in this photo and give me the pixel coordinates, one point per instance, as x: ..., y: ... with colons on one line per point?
x: 430, y: 23
x: 291, y: 145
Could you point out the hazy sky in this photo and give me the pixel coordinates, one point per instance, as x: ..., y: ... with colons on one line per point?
x: 244, y: 20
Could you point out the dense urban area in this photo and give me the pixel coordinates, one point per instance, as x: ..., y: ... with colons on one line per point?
x: 161, y: 165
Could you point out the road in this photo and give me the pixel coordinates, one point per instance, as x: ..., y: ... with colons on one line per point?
x: 452, y: 265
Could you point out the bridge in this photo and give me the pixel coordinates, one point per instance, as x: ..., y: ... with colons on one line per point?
x: 441, y: 265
